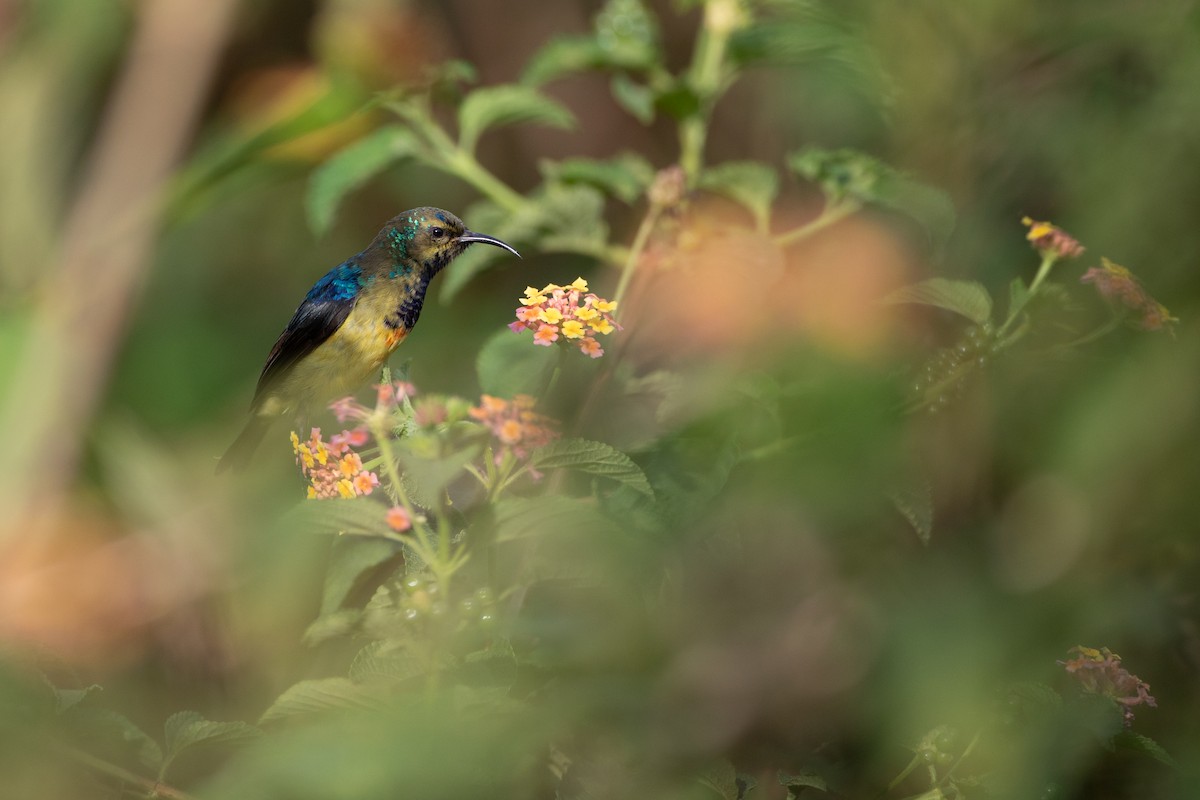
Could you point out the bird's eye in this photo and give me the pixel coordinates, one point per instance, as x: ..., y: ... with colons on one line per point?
x: 437, y: 233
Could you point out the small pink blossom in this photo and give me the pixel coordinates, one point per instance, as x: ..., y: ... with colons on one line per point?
x: 398, y: 519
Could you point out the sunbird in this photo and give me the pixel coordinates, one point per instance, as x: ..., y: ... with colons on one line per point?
x: 352, y: 319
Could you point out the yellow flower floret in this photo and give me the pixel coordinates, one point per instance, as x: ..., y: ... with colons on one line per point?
x: 585, y: 313
x: 572, y: 329
x: 551, y: 315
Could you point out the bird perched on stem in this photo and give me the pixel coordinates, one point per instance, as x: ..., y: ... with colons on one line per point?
x: 352, y: 319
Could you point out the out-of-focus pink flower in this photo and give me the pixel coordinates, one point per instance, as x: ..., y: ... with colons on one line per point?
x: 1118, y: 285
x: 515, y: 424
x: 1100, y: 672
x: 398, y: 519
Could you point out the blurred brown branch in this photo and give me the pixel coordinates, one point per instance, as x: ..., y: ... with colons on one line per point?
x: 105, y: 242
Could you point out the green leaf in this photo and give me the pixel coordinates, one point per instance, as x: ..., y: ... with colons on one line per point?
x: 560, y: 56
x: 359, y: 516
x: 634, y: 97
x: 626, y: 176
x: 627, y: 34
x: 522, y: 517
x: 189, y: 728
x: 508, y: 104
x: 352, y: 167
x: 968, y: 298
x: 350, y: 559
x: 510, y: 364
x: 748, y: 183
x: 385, y: 661
x: 842, y: 174
x: 1128, y: 740
x: 317, y: 696
x: 66, y: 699
x: 797, y: 782
x: 593, y: 458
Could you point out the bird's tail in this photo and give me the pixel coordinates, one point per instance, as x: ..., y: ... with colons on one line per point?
x: 243, y: 447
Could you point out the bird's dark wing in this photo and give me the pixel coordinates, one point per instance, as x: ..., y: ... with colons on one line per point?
x: 323, y: 311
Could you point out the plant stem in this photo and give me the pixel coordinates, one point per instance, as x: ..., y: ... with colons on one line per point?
x: 706, y: 78
x: 830, y: 215
x: 152, y: 787
x: 1048, y: 259
x: 635, y: 253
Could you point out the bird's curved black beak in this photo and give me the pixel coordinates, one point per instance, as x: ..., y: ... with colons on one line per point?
x: 472, y: 236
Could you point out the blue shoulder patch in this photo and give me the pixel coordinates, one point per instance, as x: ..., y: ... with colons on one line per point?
x: 340, y: 283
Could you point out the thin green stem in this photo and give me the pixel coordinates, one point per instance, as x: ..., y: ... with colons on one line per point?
x: 1048, y: 259
x: 830, y: 215
x: 707, y: 79
x: 1103, y: 330
x: 153, y: 788
x: 453, y: 158
x: 635, y: 253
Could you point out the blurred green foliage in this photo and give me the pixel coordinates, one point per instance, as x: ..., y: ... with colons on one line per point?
x: 799, y: 538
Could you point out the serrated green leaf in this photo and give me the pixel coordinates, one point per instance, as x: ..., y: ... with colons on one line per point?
x: 1129, y: 740
x: 359, y: 516
x: 385, y: 661
x: 350, y: 558
x: 626, y: 176
x: 561, y: 56
x: 968, y: 298
x: 189, y: 728
x: 627, y: 34
x: 522, y: 517
x: 318, y: 696
x: 634, y: 97
x: 507, y: 104
x: 748, y: 183
x: 593, y: 458
x: 353, y: 166
x: 510, y: 364
x: 66, y: 699
x: 842, y: 174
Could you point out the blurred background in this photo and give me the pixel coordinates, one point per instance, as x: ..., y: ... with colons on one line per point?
x: 149, y: 257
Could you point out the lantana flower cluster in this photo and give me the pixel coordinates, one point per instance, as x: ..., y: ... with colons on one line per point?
x: 333, y: 468
x: 1117, y: 284
x: 1100, y: 672
x: 566, y: 313
x: 515, y: 424
x: 1050, y: 239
